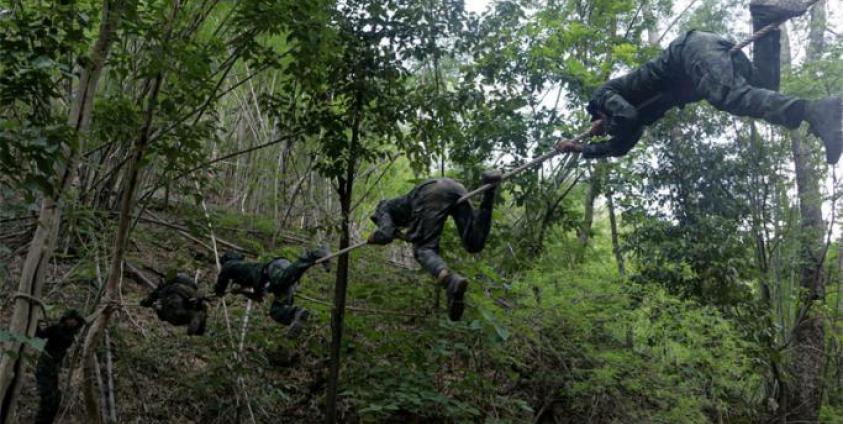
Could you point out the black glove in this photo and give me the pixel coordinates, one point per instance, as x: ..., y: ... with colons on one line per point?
x: 492, y: 176
x: 381, y: 237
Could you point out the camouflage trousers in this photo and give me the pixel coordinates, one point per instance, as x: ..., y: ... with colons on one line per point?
x: 723, y: 79
x: 472, y: 227
x: 283, y: 280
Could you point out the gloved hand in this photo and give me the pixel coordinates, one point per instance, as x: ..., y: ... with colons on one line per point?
x: 380, y: 237
x: 492, y: 176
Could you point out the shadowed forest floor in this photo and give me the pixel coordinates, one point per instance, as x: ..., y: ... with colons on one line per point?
x: 586, y: 347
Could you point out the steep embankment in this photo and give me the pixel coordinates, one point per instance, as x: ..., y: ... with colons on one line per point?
x: 563, y: 343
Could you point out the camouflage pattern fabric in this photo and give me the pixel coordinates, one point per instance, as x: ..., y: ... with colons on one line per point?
x: 179, y: 302
x: 283, y: 277
x: 423, y: 212
x: 695, y: 66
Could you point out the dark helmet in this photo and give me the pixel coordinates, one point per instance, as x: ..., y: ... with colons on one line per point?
x: 72, y: 319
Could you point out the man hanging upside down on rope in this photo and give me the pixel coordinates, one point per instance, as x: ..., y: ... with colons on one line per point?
x: 278, y: 276
x: 423, y: 212
x: 698, y: 65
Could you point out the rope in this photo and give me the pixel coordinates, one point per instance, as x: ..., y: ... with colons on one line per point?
x: 520, y: 169
x: 754, y: 37
x: 341, y: 252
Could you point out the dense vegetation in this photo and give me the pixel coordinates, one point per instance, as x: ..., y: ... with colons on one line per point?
x: 697, y: 279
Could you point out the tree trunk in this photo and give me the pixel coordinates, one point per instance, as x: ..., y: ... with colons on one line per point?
x: 338, y: 312
x: 588, y: 216
x: 346, y: 189
x: 95, y: 332
x: 613, y: 223
x: 808, y: 354
x: 25, y: 316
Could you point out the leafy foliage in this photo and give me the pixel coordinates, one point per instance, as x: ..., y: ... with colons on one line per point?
x: 270, y: 109
x: 38, y: 44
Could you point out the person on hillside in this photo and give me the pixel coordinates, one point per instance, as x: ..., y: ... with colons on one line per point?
x: 698, y: 65
x: 278, y: 276
x: 284, y: 277
x: 178, y: 301
x: 58, y: 339
x: 422, y: 213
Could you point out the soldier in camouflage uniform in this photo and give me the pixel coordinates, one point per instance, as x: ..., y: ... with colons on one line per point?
x: 698, y: 65
x: 248, y: 277
x: 423, y: 212
x: 278, y: 276
x: 179, y: 302
x: 59, y: 337
x: 283, y: 277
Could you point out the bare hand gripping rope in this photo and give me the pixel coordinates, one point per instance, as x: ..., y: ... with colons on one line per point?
x: 579, y: 138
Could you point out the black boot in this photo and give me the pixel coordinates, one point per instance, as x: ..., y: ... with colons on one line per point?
x: 826, y: 119
x: 492, y: 176
x: 282, y: 313
x: 455, y: 292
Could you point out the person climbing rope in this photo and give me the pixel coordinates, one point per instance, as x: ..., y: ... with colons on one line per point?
x: 278, y: 276
x: 423, y: 212
x: 701, y: 65
x: 283, y: 277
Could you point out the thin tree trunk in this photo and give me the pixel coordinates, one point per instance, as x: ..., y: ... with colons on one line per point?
x: 338, y: 312
x: 346, y: 190
x: 588, y: 215
x: 597, y: 170
x: 95, y: 332
x: 808, y: 355
x: 101, y: 386
x: 616, y: 248
x: 25, y: 316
